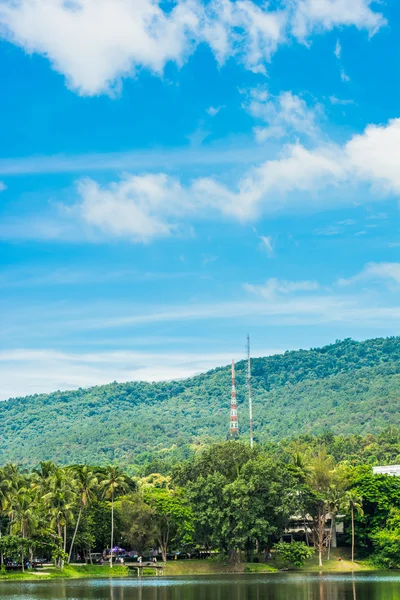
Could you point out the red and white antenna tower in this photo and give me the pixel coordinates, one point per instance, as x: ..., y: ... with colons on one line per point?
x: 233, y: 423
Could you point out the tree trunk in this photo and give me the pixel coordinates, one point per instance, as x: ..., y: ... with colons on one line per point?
x: 306, y: 531
x: 74, y: 536
x: 234, y: 556
x: 112, y: 529
x: 332, y: 535
x: 22, y: 549
x: 352, y: 534
x: 1, y: 554
x: 319, y: 557
x: 333, y: 532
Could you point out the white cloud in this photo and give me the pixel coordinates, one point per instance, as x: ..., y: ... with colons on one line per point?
x: 334, y: 100
x: 49, y: 370
x: 214, y: 110
x: 140, y: 207
x: 95, y: 43
x: 375, y: 271
x: 344, y: 77
x: 266, y: 244
x: 274, y: 287
x: 325, y: 15
x: 338, y: 50
x: 284, y: 114
x: 374, y: 156
x: 149, y: 206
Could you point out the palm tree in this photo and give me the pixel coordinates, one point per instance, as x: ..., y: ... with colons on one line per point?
x: 86, y: 484
x: 60, y: 500
x: 24, y: 516
x: 115, y: 481
x: 353, y: 503
x: 5, y: 488
x: 335, y: 502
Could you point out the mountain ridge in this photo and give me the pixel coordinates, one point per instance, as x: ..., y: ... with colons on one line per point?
x: 346, y: 387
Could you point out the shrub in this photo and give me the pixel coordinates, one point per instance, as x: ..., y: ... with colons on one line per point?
x: 294, y: 554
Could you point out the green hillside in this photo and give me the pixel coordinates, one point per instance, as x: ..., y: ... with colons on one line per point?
x: 347, y: 387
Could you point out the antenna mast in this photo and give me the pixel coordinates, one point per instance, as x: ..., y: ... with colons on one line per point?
x: 249, y: 391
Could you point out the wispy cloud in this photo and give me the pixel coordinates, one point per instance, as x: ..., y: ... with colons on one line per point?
x: 40, y: 277
x: 214, y: 110
x: 48, y: 370
x: 275, y: 287
x: 344, y: 77
x: 266, y: 244
x: 141, y: 208
x: 341, y: 102
x: 135, y: 160
x: 338, y: 49
x: 375, y: 271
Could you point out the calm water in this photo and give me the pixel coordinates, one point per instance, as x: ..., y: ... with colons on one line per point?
x: 244, y: 587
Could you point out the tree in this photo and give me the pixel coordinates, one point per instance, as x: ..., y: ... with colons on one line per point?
x: 23, y: 513
x: 352, y: 504
x: 172, y: 516
x: 387, y: 542
x: 320, y: 481
x: 380, y: 493
x: 294, y: 554
x: 60, y: 499
x: 86, y: 486
x: 335, y: 499
x: 239, y: 497
x: 5, y: 487
x: 114, y: 482
x: 137, y: 518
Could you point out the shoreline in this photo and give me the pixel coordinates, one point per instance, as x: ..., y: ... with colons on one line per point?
x: 196, y: 568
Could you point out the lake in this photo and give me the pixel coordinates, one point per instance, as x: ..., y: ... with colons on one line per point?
x: 287, y: 586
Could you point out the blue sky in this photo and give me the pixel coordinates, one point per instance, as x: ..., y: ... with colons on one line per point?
x: 177, y: 174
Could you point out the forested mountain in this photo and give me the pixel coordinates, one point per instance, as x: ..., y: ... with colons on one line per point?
x: 348, y: 388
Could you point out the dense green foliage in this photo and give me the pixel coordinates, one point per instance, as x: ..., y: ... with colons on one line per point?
x: 294, y: 554
x: 347, y: 388
x: 228, y: 498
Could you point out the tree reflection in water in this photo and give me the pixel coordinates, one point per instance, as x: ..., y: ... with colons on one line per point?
x: 279, y: 586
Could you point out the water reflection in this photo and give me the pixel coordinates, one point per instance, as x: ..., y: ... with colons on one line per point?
x: 252, y: 587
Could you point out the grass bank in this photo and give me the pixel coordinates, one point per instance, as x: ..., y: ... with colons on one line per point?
x: 213, y: 567
x: 195, y: 567
x: 69, y: 572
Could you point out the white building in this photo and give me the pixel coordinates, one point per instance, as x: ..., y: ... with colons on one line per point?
x: 389, y: 470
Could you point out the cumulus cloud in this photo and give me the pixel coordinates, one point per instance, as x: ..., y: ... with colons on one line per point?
x: 95, y: 43
x: 149, y: 206
x: 140, y: 207
x: 284, y: 114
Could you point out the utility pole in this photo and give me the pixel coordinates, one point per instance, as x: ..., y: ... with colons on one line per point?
x: 249, y: 391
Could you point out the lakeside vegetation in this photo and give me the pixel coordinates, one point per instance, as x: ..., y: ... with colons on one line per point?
x: 228, y: 499
x: 349, y: 388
